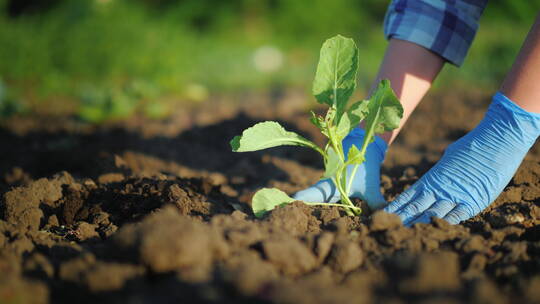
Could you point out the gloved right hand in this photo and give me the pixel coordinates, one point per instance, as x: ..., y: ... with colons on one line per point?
x: 474, y: 170
x: 367, y: 180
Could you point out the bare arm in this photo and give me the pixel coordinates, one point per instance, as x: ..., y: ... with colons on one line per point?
x: 411, y: 70
x: 522, y: 83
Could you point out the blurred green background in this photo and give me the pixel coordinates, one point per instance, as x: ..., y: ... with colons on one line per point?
x: 106, y: 59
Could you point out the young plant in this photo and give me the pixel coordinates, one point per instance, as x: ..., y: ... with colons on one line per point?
x: 335, y: 82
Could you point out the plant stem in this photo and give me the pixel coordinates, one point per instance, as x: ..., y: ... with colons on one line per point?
x: 353, y: 173
x: 337, y: 149
x: 354, y: 210
x: 367, y: 139
x: 370, y: 132
x: 344, y: 197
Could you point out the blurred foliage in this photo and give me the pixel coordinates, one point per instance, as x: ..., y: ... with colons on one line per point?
x: 98, y: 104
x: 115, y: 57
x: 9, y: 105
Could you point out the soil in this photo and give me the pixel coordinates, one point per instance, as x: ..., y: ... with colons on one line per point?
x: 158, y: 212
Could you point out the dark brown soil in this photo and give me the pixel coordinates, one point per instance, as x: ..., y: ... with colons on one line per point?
x: 158, y: 212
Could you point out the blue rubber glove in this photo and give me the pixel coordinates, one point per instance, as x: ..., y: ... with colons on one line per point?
x: 474, y: 170
x: 367, y: 180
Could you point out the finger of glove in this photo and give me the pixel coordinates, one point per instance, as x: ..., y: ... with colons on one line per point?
x: 323, y: 191
x: 460, y: 213
x: 416, y: 206
x: 439, y: 209
x: 402, y: 199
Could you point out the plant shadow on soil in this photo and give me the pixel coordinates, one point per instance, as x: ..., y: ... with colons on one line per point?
x: 135, y: 212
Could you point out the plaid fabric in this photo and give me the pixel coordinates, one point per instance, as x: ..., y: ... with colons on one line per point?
x: 446, y: 27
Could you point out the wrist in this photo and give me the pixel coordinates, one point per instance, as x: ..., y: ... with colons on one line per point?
x: 520, y: 124
x: 513, y: 107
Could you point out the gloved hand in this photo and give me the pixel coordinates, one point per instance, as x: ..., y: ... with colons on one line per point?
x: 474, y: 170
x: 366, y: 184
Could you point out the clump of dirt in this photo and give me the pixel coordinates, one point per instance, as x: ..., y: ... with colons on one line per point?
x: 116, y: 216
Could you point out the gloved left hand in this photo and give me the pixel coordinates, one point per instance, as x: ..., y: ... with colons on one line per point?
x: 367, y: 180
x: 474, y: 170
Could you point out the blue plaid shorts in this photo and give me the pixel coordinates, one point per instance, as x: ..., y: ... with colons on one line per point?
x: 446, y: 27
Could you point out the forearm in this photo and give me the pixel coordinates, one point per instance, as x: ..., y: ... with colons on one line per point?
x: 522, y: 83
x: 411, y: 70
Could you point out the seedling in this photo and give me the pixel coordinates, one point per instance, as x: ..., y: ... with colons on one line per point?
x: 335, y: 82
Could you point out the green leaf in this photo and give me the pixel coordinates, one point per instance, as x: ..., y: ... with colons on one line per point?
x: 267, y: 199
x: 335, y: 79
x: 357, y: 112
x: 344, y: 127
x: 384, y: 110
x: 354, y: 156
x: 332, y: 164
x: 353, y: 116
x: 266, y: 135
x: 330, y: 116
x: 317, y: 121
x: 330, y: 127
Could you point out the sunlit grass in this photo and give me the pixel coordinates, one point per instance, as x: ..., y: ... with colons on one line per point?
x: 192, y: 50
